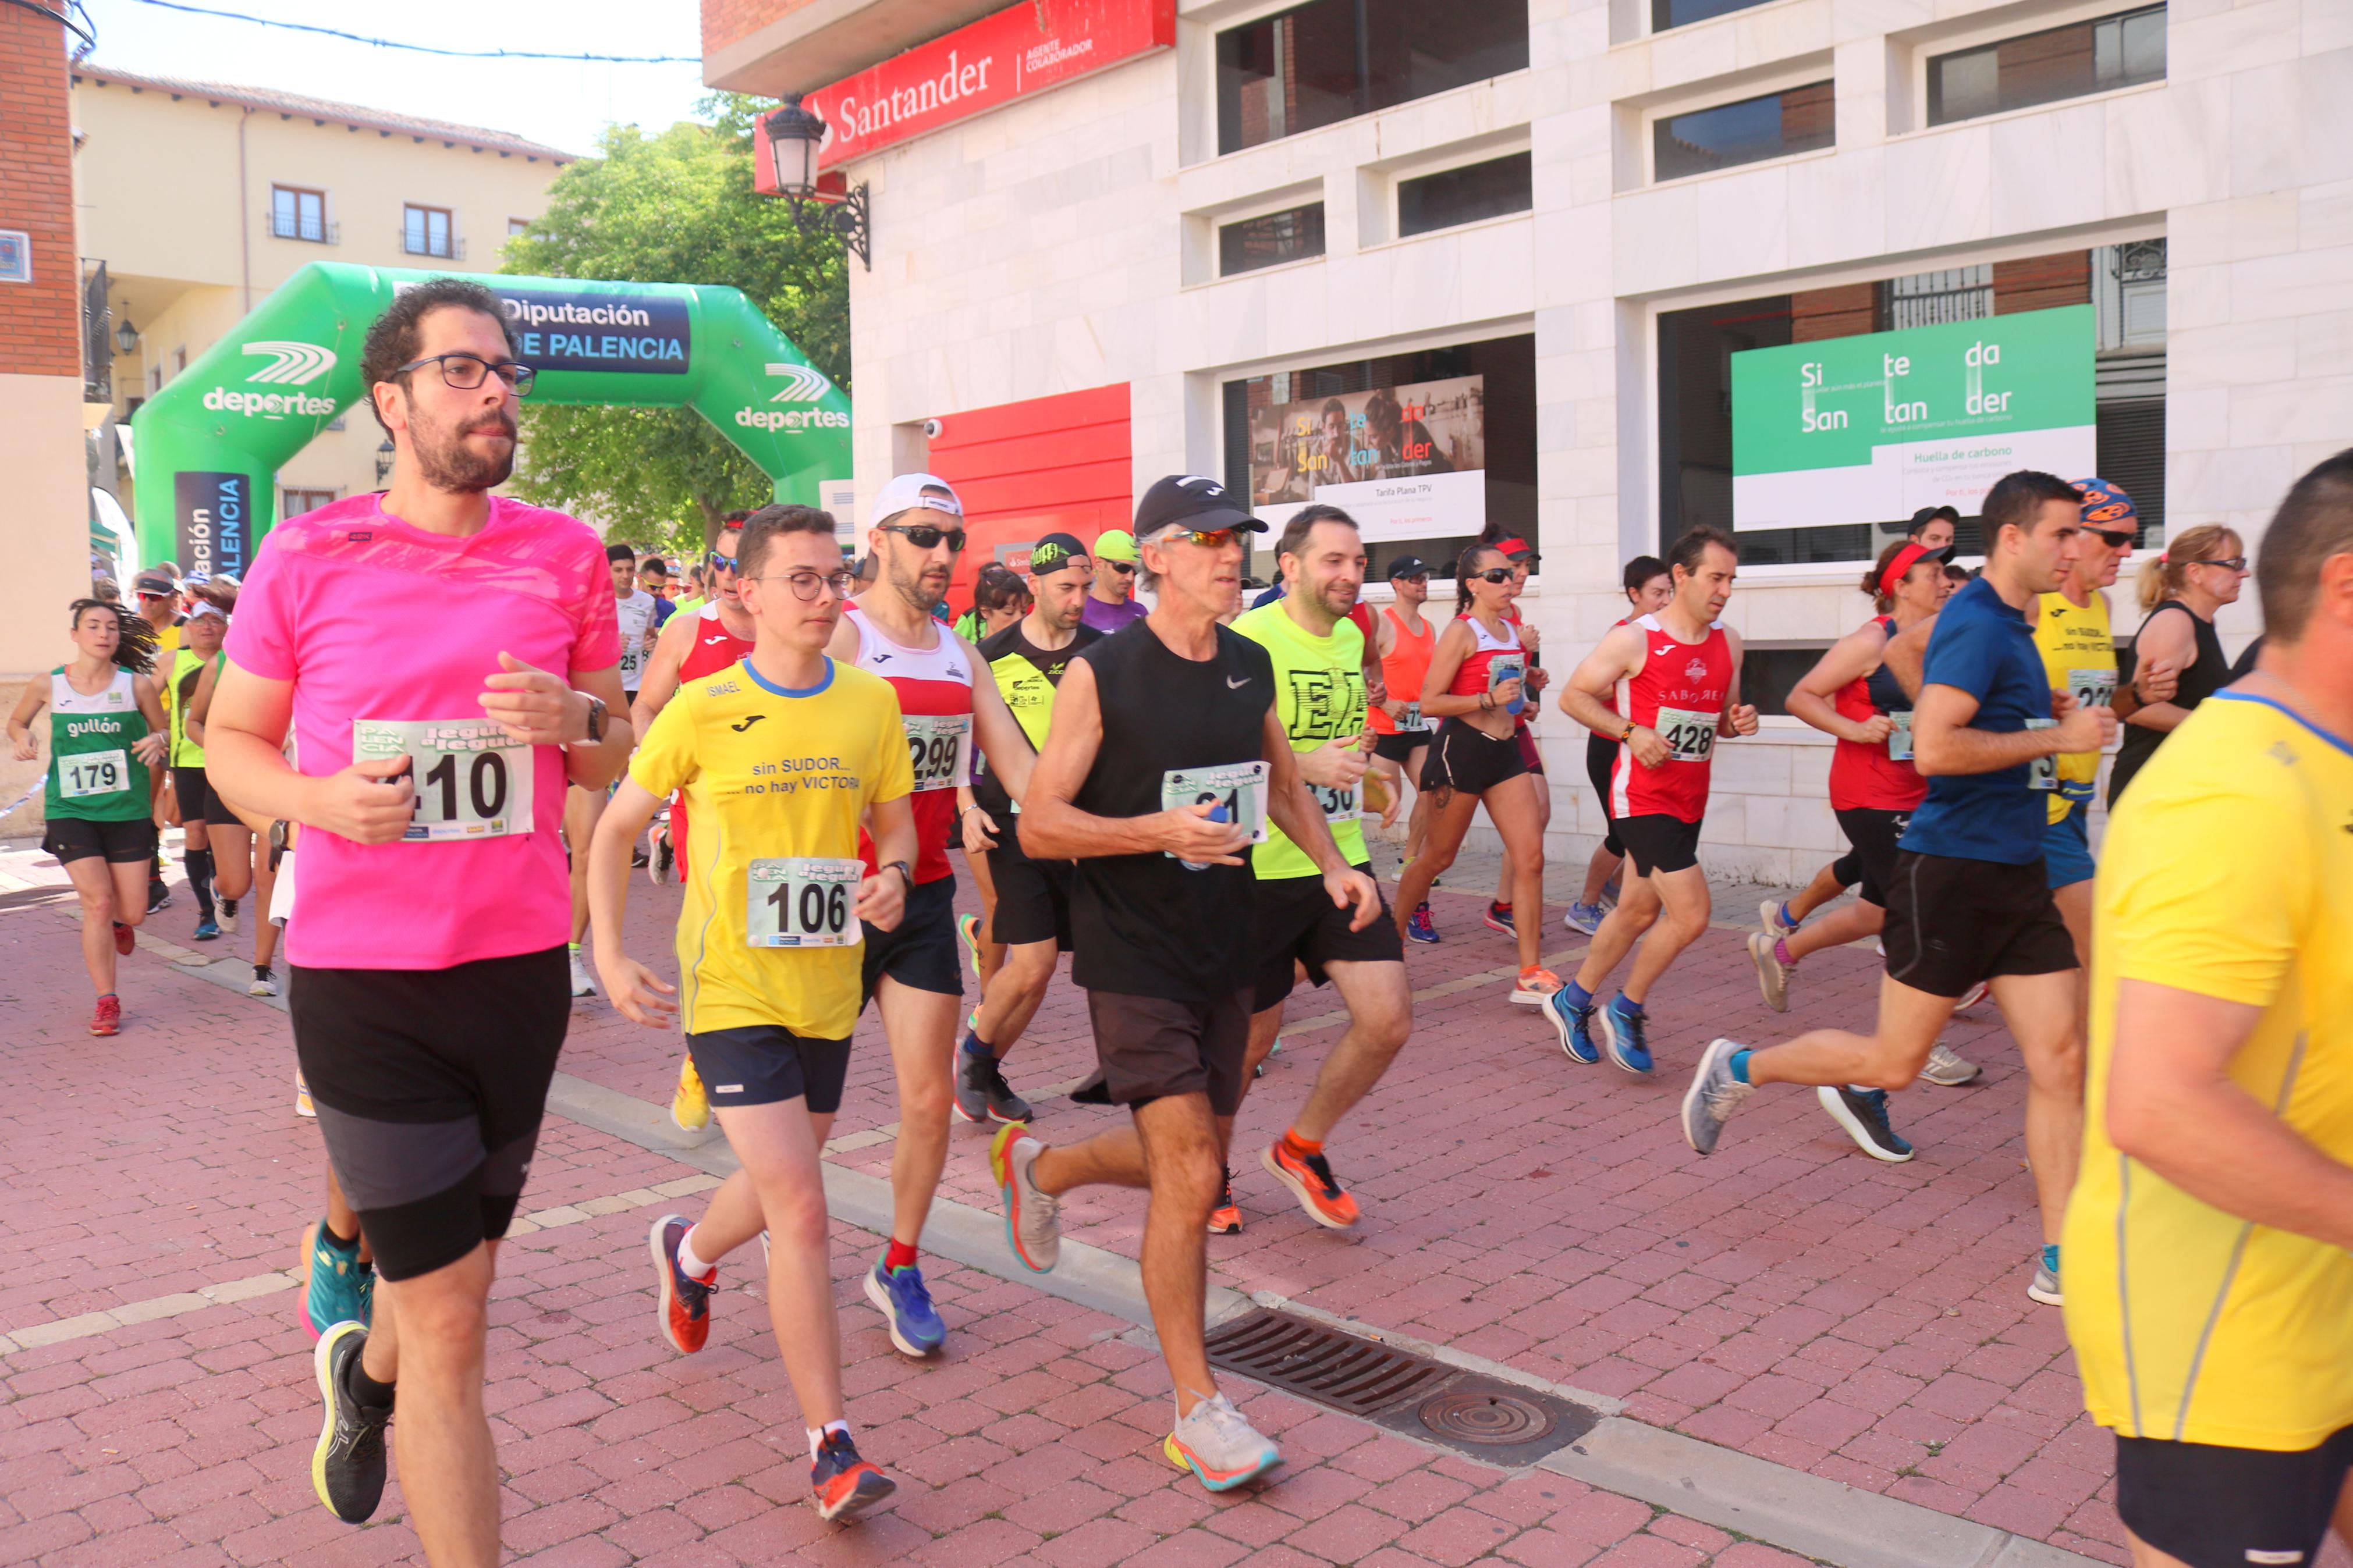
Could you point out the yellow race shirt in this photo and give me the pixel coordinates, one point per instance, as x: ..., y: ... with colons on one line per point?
x: 2228, y: 872
x: 1319, y: 693
x: 769, y: 775
x: 2079, y: 655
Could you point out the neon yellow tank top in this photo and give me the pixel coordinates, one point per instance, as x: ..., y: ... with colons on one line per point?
x: 2079, y: 656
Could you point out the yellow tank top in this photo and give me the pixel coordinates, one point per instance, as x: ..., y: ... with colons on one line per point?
x: 2079, y: 656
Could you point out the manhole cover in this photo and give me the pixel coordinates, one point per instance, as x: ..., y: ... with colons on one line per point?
x: 1477, y: 1416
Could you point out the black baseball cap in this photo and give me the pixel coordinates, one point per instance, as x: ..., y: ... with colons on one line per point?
x: 157, y: 581
x: 1409, y: 567
x: 1055, y: 552
x: 1193, y: 501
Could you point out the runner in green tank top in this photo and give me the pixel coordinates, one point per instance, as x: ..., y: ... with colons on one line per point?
x: 199, y: 649
x: 106, y: 730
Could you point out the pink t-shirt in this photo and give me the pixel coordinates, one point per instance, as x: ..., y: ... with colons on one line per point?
x: 372, y: 619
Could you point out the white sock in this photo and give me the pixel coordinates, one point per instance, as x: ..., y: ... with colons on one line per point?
x: 692, y: 1267
x: 816, y: 1436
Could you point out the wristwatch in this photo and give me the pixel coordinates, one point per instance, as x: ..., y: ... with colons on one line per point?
x: 904, y: 875
x: 595, y: 717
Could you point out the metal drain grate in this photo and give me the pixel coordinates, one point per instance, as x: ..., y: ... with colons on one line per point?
x: 1485, y: 1417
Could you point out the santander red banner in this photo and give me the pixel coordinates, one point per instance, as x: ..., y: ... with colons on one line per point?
x: 1022, y: 50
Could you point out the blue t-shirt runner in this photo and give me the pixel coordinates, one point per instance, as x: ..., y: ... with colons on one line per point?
x: 1985, y: 648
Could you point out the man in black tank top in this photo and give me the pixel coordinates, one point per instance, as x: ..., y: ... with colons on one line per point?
x: 1164, y: 760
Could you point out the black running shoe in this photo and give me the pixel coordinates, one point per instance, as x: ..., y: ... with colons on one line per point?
x: 347, y: 1467
x: 981, y: 1092
x: 1863, y: 1113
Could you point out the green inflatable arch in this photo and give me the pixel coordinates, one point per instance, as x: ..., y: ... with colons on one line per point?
x: 209, y: 445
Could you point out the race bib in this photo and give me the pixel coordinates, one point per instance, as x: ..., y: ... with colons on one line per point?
x: 1339, y: 804
x: 88, y: 773
x: 2042, y: 773
x: 939, y: 747
x: 2093, y: 688
x: 633, y: 661
x: 1411, y: 720
x: 1237, y: 790
x: 1899, y: 739
x: 1689, y: 733
x: 471, y: 781
x: 802, y: 902
x: 1502, y: 668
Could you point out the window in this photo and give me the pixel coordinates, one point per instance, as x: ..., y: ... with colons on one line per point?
x: 297, y: 213
x: 426, y: 231
x: 1773, y: 126
x: 1665, y: 14
x: 2122, y: 51
x: 1466, y: 194
x: 515, y: 226
x: 294, y: 502
x: 1295, y: 234
x: 1331, y: 60
x: 1931, y: 298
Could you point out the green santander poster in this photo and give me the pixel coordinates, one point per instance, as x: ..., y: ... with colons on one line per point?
x: 1871, y: 428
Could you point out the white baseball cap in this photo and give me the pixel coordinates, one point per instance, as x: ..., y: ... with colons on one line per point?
x: 909, y: 491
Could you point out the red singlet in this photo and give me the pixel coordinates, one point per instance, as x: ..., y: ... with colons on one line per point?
x: 715, y: 648
x: 1866, y: 778
x: 1680, y: 693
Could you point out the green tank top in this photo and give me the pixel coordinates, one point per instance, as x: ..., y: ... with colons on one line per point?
x: 187, y: 668
x: 93, y: 774
x: 1319, y: 691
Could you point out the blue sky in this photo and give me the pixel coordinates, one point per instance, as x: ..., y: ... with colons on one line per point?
x: 563, y: 104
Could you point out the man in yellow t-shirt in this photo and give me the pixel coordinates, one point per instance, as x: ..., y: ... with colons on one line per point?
x: 2209, y: 1295
x: 778, y: 756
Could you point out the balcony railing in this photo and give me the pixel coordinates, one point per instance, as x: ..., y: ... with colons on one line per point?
x: 451, y: 248
x: 308, y: 227
x: 97, y: 338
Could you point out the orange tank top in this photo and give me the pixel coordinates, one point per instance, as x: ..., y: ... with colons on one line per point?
x: 1403, y: 669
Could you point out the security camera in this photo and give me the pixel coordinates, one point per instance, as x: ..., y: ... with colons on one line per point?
x: 931, y: 429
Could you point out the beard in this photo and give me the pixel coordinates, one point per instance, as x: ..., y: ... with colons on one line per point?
x: 917, y: 589
x: 445, y: 462
x: 1337, y: 599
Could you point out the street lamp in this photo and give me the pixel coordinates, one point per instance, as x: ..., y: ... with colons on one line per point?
x: 126, y: 338
x: 794, y: 137
x: 384, y: 461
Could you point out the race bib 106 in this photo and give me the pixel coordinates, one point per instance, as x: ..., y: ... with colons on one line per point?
x: 1237, y: 791
x: 472, y: 781
x: 802, y: 902
x: 939, y: 748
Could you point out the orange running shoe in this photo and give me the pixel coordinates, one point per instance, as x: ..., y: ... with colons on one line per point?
x: 1226, y: 1219
x: 1537, y: 982
x: 108, y: 1019
x: 1312, y: 1183
x: 846, y: 1485
x: 682, y: 1302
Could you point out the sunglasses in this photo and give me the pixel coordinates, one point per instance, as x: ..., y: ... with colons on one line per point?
x: 1209, y: 539
x: 2114, y: 538
x: 1494, y: 575
x: 923, y: 536
x: 1419, y: 579
x: 2227, y: 562
x: 1126, y: 568
x: 719, y: 563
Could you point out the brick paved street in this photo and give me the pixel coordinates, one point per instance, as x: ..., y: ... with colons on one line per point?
x: 1787, y: 1299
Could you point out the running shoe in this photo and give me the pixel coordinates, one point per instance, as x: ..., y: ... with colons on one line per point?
x: 1610, y: 892
x: 347, y: 1467
x: 638, y: 860
x: 264, y: 983
x: 1574, y: 1025
x: 981, y: 1092
x: 206, y: 931
x: 1033, y: 1220
x: 1625, y: 1038
x: 1773, y: 914
x: 342, y: 1287
x: 906, y: 1308
x: 1312, y: 1183
x: 968, y: 928
x: 1499, y: 918
x: 690, y: 1107
x: 108, y: 1019
x: 2045, y: 1287
x: 159, y: 897
x: 1863, y: 1113
x: 657, y: 865
x: 846, y: 1485
x: 583, y: 984
x: 228, y: 916
x: 302, y: 1106
x: 1586, y: 918
x: 1772, y: 969
x: 1419, y: 926
x: 1948, y: 1066
x: 1975, y: 994
x: 1715, y: 1094
x: 682, y: 1303
x: 125, y: 939
x: 1534, y: 984
x: 1219, y: 1445
x: 1226, y: 1219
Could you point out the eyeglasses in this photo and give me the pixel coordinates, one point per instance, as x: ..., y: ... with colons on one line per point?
x: 466, y: 372
x: 2114, y: 538
x: 806, y: 585
x: 2227, y: 562
x: 1494, y: 574
x: 719, y: 563
x: 923, y: 536
x: 1419, y: 579
x: 1126, y: 568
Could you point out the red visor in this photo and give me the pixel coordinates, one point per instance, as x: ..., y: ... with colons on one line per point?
x: 1911, y: 556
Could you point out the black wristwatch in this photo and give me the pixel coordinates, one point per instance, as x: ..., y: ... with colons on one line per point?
x: 596, y: 717
x: 904, y: 875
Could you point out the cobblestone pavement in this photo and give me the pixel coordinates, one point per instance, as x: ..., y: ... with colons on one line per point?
x: 1788, y: 1298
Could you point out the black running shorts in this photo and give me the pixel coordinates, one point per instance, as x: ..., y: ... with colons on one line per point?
x: 72, y: 838
x: 1401, y: 747
x: 1848, y: 869
x: 429, y: 1084
x: 1297, y: 921
x: 1470, y: 760
x: 766, y: 1064
x: 921, y: 951
x: 199, y: 800
x: 2214, y: 1506
x: 1033, y: 897
x: 1873, y: 833
x: 1952, y: 922
x: 1600, y: 758
x: 1657, y: 842
x: 1147, y: 1048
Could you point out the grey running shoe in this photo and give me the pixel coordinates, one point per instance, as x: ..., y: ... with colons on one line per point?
x: 1219, y: 1445
x: 2045, y: 1288
x: 347, y: 1467
x: 1772, y: 975
x: 1946, y: 1067
x: 981, y: 1092
x: 1863, y: 1114
x: 1715, y: 1094
x: 1769, y: 915
x: 1033, y: 1220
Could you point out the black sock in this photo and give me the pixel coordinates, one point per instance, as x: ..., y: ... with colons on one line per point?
x: 366, y: 1390
x: 343, y: 1243
x: 198, y: 864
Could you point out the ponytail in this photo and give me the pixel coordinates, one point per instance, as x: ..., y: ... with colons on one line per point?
x: 1464, y: 566
x: 2165, y: 575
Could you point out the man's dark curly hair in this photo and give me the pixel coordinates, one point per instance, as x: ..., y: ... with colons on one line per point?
x: 399, y: 333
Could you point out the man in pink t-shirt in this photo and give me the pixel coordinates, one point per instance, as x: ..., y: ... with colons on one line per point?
x: 427, y: 982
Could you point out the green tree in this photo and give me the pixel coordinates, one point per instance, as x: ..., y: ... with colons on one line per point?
x: 676, y: 207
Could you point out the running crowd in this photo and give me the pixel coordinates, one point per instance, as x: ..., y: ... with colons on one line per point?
x: 1178, y: 792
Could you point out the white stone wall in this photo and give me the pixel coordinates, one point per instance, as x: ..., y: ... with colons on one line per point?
x: 1065, y: 242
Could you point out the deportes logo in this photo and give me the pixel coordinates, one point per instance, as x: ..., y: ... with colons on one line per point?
x: 803, y: 383
x: 292, y: 363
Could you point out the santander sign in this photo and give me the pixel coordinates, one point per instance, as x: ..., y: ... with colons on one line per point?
x: 1025, y: 48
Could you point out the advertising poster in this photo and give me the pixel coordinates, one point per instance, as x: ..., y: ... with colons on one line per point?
x: 1871, y: 428
x: 1300, y: 448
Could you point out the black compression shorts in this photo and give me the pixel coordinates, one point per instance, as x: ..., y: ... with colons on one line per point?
x: 1298, y: 924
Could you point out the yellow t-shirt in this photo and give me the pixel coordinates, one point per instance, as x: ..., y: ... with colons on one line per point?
x: 769, y: 774
x: 2079, y: 656
x: 2228, y: 872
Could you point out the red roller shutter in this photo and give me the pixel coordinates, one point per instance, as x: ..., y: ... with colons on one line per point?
x: 1028, y: 468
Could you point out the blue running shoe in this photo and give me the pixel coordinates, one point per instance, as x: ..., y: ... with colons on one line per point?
x: 1499, y: 919
x: 1586, y: 918
x: 342, y: 1289
x: 1419, y: 926
x: 1575, y: 1026
x: 207, y: 931
x: 906, y: 1308
x: 1625, y: 1037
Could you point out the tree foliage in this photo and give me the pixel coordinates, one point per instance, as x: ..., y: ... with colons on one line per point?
x: 673, y: 207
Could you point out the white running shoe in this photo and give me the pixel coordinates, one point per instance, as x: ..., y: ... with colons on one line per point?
x: 265, y: 982
x: 583, y: 984
x: 1946, y: 1067
x: 1219, y: 1445
x: 1772, y: 975
x: 228, y: 917
x: 1769, y: 915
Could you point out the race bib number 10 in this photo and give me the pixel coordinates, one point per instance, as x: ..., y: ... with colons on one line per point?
x: 1690, y: 734
x: 471, y: 781
x: 939, y: 745
x: 1237, y: 791
x: 802, y: 902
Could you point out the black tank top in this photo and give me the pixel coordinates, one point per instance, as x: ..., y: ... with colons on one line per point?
x: 2207, y: 675
x: 1143, y: 925
x: 1886, y: 693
